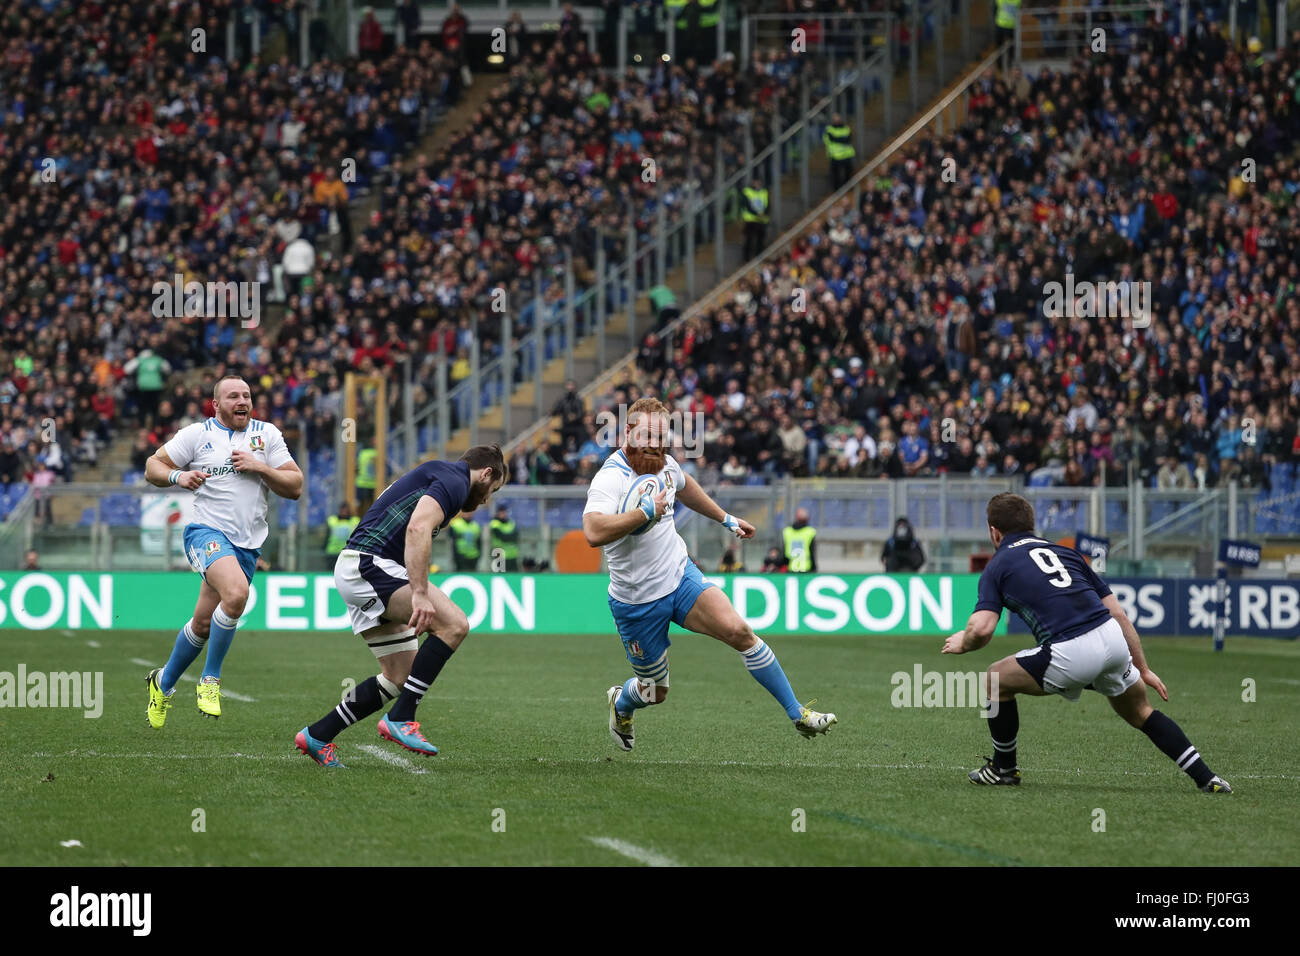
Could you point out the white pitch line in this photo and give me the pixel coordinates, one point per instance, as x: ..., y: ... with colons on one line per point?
x: 392, y: 758
x: 194, y: 680
x: 632, y: 852
x: 791, y: 764
x: 401, y: 761
x: 93, y: 644
x: 151, y: 756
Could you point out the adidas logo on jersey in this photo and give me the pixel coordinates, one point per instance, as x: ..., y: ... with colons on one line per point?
x: 207, y: 447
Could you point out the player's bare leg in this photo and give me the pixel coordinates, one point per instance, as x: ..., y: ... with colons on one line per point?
x: 714, y: 615
x: 226, y: 580
x: 450, y: 628
x: 1002, y: 681
x: 1133, y: 706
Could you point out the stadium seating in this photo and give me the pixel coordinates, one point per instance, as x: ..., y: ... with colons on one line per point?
x: 878, y: 352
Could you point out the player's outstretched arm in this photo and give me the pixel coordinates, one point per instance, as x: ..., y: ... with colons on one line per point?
x: 1134, y: 645
x: 161, y: 472
x: 427, y: 516
x: 697, y: 499
x: 602, y: 529
x: 978, y: 632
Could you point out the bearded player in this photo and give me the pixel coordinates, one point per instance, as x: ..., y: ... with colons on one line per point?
x: 383, y: 577
x: 230, y: 462
x: 1084, y: 640
x: 652, y: 581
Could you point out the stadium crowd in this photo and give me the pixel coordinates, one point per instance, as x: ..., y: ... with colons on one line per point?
x: 179, y: 162
x: 929, y: 342
x: 926, y: 345
x: 128, y: 157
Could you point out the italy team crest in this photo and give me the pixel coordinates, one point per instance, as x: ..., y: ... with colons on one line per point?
x: 213, y: 547
x: 257, y: 443
x: 634, y: 647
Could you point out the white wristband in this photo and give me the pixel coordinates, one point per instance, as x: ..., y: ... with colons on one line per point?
x: 174, y: 477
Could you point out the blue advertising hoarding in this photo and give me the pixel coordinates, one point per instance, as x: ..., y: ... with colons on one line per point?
x: 1185, y: 608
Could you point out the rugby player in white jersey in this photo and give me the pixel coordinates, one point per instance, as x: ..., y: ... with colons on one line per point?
x: 230, y: 462
x: 652, y: 581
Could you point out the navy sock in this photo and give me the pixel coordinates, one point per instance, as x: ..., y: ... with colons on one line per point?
x: 1004, y: 725
x: 366, y: 698
x: 433, y: 653
x: 1169, y: 737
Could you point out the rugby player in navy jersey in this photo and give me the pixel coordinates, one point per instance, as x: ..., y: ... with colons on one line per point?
x: 1084, y: 640
x: 383, y: 577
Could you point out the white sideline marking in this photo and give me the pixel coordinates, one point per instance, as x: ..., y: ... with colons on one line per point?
x: 92, y: 643
x: 194, y: 680
x: 69, y: 843
x: 392, y: 758
x: 168, y: 756
x: 790, y: 764
x: 1287, y: 680
x: 641, y: 855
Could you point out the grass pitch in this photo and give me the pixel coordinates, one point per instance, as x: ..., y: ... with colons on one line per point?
x: 529, y: 775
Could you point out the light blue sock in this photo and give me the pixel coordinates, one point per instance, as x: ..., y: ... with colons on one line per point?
x: 188, y: 645
x: 766, y: 669
x: 630, y: 699
x: 220, y: 635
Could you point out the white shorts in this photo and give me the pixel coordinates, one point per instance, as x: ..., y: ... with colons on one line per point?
x: 1095, y: 660
x: 366, y: 582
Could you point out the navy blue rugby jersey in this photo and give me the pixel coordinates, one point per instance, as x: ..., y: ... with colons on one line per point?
x: 1050, y: 586
x: 382, y: 532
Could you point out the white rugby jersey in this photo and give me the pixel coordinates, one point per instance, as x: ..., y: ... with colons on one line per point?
x: 232, y: 502
x: 646, y: 567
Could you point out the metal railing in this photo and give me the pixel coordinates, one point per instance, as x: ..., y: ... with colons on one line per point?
x: 1149, y: 530
x: 559, y: 316
x: 1063, y: 32
x: 946, y: 112
x: 835, y: 37
x: 109, y: 533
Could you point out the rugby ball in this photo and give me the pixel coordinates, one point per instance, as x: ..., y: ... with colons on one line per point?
x: 641, y: 485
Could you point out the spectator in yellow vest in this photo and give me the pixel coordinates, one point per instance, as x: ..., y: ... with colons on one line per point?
x: 838, y: 140
x: 466, y: 535
x: 341, y: 527
x: 505, y: 540
x: 366, y: 461
x: 754, y: 213
x: 800, y: 544
x: 1008, y: 13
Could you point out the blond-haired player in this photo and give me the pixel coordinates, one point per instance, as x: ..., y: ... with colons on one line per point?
x: 652, y: 581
